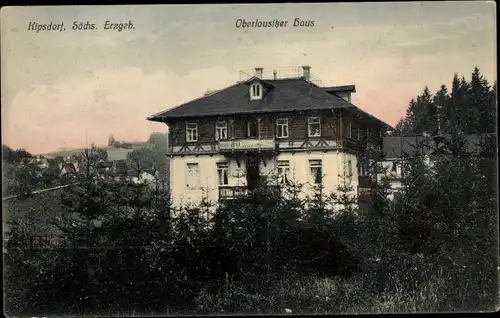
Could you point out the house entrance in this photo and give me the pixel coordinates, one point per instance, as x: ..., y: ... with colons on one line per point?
x: 253, y: 173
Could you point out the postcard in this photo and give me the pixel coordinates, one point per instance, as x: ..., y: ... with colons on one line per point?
x: 333, y: 158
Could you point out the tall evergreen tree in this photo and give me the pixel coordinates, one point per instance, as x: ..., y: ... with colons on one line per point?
x: 441, y: 100
x: 477, y: 104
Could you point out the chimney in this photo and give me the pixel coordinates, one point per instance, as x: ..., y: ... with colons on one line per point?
x: 258, y: 72
x: 307, y: 72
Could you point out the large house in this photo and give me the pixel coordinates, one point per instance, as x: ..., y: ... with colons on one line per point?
x: 223, y: 143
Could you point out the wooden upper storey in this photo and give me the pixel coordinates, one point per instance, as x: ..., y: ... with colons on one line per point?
x: 332, y: 125
x: 280, y: 111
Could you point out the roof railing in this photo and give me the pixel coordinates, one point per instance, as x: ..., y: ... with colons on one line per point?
x: 287, y: 72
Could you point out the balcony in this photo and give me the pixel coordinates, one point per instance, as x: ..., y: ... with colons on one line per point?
x: 247, y: 145
x: 232, y: 192
x: 235, y: 192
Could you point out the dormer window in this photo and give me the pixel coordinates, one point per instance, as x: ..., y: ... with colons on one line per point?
x: 256, y: 91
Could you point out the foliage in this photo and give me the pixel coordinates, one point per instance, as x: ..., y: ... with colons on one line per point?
x: 121, y: 167
x: 469, y: 108
x: 150, y: 159
x: 14, y: 156
x: 159, y: 140
x: 112, y: 142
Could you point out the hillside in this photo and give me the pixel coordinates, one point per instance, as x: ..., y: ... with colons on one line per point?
x: 114, y: 153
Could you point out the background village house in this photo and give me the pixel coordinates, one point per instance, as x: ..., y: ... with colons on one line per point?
x: 398, y: 149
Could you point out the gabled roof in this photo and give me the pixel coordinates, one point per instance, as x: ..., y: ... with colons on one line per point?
x: 68, y: 168
x: 284, y: 95
x: 399, y: 147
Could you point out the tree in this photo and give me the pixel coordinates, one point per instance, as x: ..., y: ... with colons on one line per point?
x: 26, y: 179
x: 142, y: 160
x: 51, y: 174
x: 159, y: 140
x: 121, y: 167
x: 441, y: 100
x: 98, y: 154
x: 111, y: 140
x: 14, y: 156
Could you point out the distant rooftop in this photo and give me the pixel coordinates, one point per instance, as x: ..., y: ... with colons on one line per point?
x: 398, y: 146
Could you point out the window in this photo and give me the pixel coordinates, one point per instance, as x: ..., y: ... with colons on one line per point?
x: 253, y: 128
x: 348, y: 127
x: 282, y: 128
x: 316, y: 171
x: 363, y: 167
x: 221, y: 130
x: 349, y: 169
x: 193, y: 175
x: 314, y: 126
x: 256, y: 91
x: 223, y: 173
x: 191, y: 132
x: 284, y: 172
x: 359, y: 133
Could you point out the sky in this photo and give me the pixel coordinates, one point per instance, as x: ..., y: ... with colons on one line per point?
x: 69, y: 89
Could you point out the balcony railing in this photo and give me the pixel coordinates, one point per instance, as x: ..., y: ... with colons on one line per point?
x: 247, y: 144
x: 232, y: 192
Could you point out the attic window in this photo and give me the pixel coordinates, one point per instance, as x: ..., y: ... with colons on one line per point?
x: 256, y: 91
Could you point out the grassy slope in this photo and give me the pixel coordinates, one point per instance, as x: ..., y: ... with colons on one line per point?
x: 37, y: 211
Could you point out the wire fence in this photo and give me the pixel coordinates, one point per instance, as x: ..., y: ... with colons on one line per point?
x: 40, y: 191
